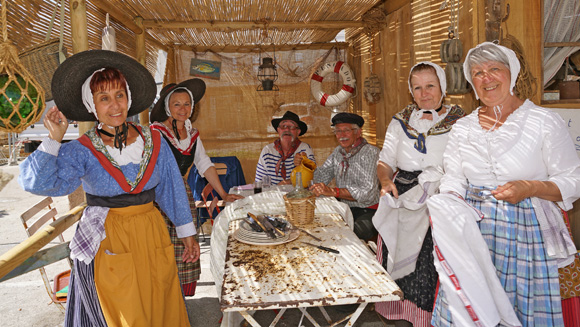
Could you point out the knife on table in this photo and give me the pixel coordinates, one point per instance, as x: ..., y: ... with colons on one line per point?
x: 309, y: 234
x: 322, y: 247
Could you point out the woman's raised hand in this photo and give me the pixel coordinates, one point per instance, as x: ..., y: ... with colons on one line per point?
x: 56, y: 124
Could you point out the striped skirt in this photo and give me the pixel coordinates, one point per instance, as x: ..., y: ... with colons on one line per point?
x: 132, y: 281
x: 418, y: 287
x: 516, y: 247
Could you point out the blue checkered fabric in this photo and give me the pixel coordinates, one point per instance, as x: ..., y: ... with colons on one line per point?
x: 516, y: 246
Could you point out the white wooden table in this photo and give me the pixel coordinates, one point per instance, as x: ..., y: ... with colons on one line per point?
x: 295, y: 275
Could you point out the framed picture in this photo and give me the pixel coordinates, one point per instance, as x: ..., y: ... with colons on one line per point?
x: 205, y: 68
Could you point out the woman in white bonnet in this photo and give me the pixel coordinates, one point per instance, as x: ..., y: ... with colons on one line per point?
x: 172, y: 116
x: 124, y: 270
x: 413, y: 148
x: 510, y: 159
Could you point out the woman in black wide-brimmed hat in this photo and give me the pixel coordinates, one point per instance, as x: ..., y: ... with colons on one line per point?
x: 124, y: 272
x: 172, y: 116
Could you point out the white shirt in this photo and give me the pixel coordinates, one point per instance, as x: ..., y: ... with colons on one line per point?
x: 399, y: 151
x: 532, y: 144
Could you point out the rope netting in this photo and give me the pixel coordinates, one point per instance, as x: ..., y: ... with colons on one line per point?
x: 21, y: 97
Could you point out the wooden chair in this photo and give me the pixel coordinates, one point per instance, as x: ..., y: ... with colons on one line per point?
x: 34, y: 219
x: 209, y: 198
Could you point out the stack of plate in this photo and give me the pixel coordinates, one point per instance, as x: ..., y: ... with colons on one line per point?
x: 246, y: 234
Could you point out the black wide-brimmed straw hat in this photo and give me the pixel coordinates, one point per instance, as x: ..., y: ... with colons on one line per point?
x: 289, y: 115
x: 195, y: 85
x: 347, y: 118
x: 71, y: 74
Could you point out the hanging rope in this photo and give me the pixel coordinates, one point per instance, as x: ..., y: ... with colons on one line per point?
x: 21, y: 97
x: 453, y: 14
x: 526, y: 85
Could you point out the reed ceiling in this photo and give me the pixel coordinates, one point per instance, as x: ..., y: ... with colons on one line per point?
x: 194, y: 24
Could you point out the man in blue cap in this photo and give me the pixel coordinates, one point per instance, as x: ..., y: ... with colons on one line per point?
x: 353, y: 164
x: 278, y: 159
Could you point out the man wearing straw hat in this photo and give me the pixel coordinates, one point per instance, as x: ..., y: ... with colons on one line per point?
x: 279, y: 158
x: 354, y: 166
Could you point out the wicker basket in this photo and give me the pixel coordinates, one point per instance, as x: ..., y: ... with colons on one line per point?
x: 41, y: 61
x: 300, y: 212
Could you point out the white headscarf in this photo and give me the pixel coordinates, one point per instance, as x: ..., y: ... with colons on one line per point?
x: 167, y: 111
x: 416, y: 120
x: 440, y: 74
x: 87, y: 95
x: 514, y: 65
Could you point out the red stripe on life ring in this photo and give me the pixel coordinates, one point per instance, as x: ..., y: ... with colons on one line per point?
x: 317, y: 77
x: 323, y: 99
x: 347, y: 88
x: 337, y: 67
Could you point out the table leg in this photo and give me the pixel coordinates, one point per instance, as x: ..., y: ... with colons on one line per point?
x: 353, y: 316
x: 356, y: 314
x: 278, y: 316
x: 303, y: 310
x: 250, y: 319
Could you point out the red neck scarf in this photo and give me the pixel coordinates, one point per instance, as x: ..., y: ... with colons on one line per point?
x: 356, y: 147
x: 282, y: 161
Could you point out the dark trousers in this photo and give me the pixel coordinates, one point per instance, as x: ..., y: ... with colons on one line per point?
x: 363, y: 224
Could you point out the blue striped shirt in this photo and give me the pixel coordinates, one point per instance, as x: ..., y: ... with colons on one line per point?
x: 270, y: 156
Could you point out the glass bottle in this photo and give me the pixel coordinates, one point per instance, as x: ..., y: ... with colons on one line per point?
x: 299, y: 191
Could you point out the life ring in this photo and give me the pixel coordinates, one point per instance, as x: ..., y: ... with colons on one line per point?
x: 348, y: 86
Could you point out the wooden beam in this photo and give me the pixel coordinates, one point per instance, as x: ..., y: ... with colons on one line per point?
x: 79, y: 33
x: 18, y: 254
x: 39, y: 260
x: 236, y: 25
x: 561, y: 44
x: 394, y: 5
x: 118, y: 14
x: 256, y: 49
x: 80, y: 40
x: 141, y: 54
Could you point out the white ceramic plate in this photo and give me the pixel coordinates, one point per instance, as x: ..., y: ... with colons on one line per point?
x: 247, y: 235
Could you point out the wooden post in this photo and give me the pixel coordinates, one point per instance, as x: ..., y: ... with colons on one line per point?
x: 18, y: 254
x: 80, y: 39
x: 141, y: 54
x: 169, y: 76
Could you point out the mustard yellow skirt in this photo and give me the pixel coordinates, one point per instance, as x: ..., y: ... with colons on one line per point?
x: 135, y: 272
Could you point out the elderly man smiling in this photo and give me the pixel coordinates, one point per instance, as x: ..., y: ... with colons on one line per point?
x: 279, y: 158
x: 354, y: 166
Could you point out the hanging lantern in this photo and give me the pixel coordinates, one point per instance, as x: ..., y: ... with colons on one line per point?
x: 21, y: 97
x: 267, y: 73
